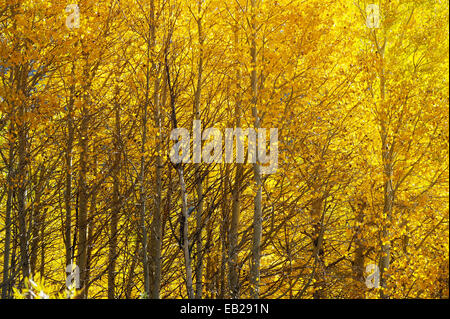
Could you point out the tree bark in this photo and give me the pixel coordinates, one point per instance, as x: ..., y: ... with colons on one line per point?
x: 257, y: 217
x: 388, y: 191
x: 35, y: 228
x: 83, y: 199
x: 68, y: 182
x: 199, y: 179
x: 236, y: 197
x: 187, y: 257
x: 22, y: 192
x: 318, y: 233
x: 180, y: 171
x: 116, y: 202
x: 156, y: 228
x: 8, y: 220
x: 358, y: 262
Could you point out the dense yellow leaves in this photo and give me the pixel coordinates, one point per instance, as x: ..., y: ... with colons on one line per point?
x: 362, y: 115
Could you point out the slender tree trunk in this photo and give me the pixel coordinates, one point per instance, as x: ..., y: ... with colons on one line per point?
x: 358, y: 263
x: 13, y: 271
x: 83, y: 199
x: 187, y: 257
x: 83, y: 188
x: 386, y: 218
x: 142, y: 198
x: 156, y: 230
x: 90, y: 226
x: 236, y: 197
x: 68, y: 182
x: 233, y: 235
x: 43, y: 244
x: 8, y: 221
x: 130, y: 276
x: 224, y: 232
x: 318, y: 233
x: 180, y: 171
x: 22, y: 193
x: 388, y: 191
x: 199, y: 179
x: 35, y: 228
x: 257, y: 217
x: 116, y: 203
x: 155, y: 227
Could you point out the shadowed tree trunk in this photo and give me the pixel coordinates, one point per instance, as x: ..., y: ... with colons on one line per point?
x: 8, y: 220
x: 22, y: 191
x: 388, y: 191
x: 116, y: 202
x: 257, y: 217
x: 236, y: 196
x: 199, y: 179
x: 69, y: 173
x: 156, y: 228
x: 358, y: 262
x: 183, y: 193
x: 317, y: 237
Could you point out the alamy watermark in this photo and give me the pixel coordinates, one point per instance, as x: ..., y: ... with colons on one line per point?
x: 373, y: 276
x: 212, y: 150
x: 73, y: 19
x: 373, y: 16
x: 73, y: 277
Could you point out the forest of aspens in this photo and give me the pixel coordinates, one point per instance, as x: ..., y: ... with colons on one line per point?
x: 93, y: 206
